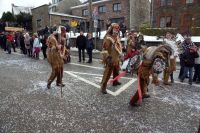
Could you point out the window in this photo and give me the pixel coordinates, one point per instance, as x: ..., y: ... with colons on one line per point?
x: 102, y: 9
x: 85, y: 12
x: 188, y: 18
x: 162, y: 22
x: 116, y: 7
x: 54, y: 9
x: 165, y: 22
x: 64, y: 22
x: 54, y: 1
x: 189, y: 1
x: 39, y: 23
x: 168, y: 21
x: 169, y: 2
x: 117, y: 20
x: 162, y: 2
x: 165, y: 2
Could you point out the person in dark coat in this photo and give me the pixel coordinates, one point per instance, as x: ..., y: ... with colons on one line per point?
x: 44, y: 46
x: 189, y: 58
x: 123, y: 29
x: 90, y: 47
x: 22, y: 45
x: 4, y: 40
x: 81, y: 41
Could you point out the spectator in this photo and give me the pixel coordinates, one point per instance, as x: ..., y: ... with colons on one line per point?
x: 13, y: 42
x: 90, y: 47
x: 27, y: 44
x: 98, y: 31
x: 186, y: 44
x: 81, y: 45
x: 196, y: 77
x: 44, y: 46
x: 4, y: 41
x: 36, y: 46
x: 22, y: 45
x: 189, y: 58
x: 9, y: 41
x: 31, y: 46
x: 123, y: 29
x: 108, y: 23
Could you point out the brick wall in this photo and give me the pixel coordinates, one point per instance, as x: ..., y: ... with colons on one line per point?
x: 179, y: 10
x: 140, y: 13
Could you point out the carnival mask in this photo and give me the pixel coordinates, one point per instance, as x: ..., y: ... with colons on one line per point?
x: 116, y: 29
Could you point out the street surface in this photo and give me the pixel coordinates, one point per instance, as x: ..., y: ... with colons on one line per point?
x: 27, y: 106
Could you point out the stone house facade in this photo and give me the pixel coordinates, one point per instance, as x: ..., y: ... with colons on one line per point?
x: 180, y: 14
x: 40, y: 17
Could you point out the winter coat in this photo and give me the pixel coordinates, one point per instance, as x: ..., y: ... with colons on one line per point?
x: 27, y: 42
x: 36, y: 43
x: 90, y: 44
x: 197, y: 60
x: 189, y: 58
x: 81, y: 42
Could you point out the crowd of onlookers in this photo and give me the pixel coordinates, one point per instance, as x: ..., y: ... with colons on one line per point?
x: 189, y: 58
x: 28, y: 45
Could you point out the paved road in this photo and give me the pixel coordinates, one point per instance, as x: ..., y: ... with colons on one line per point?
x: 26, y: 105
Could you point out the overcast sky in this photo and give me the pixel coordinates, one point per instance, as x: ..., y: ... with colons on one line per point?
x: 5, y: 5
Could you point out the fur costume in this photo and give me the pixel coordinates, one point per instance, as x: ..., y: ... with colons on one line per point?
x: 155, y: 59
x: 55, y: 60
x: 113, y: 47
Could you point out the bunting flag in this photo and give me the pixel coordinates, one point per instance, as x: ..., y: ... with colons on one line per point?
x: 139, y: 87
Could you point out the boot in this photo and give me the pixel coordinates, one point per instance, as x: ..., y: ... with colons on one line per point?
x: 116, y: 83
x: 133, y: 101
x: 166, y: 78
x: 48, y: 85
x: 145, y: 96
x: 60, y: 84
x: 103, y: 90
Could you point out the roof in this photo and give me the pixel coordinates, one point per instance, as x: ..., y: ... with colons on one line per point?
x: 39, y: 6
x: 66, y: 15
x: 86, y: 4
x: 18, y: 9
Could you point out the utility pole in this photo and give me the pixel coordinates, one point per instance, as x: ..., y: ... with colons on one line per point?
x: 90, y: 12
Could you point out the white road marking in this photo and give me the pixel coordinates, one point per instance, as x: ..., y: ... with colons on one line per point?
x: 88, y: 82
x: 93, y: 59
x: 100, y: 68
x: 100, y: 75
x: 123, y: 88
